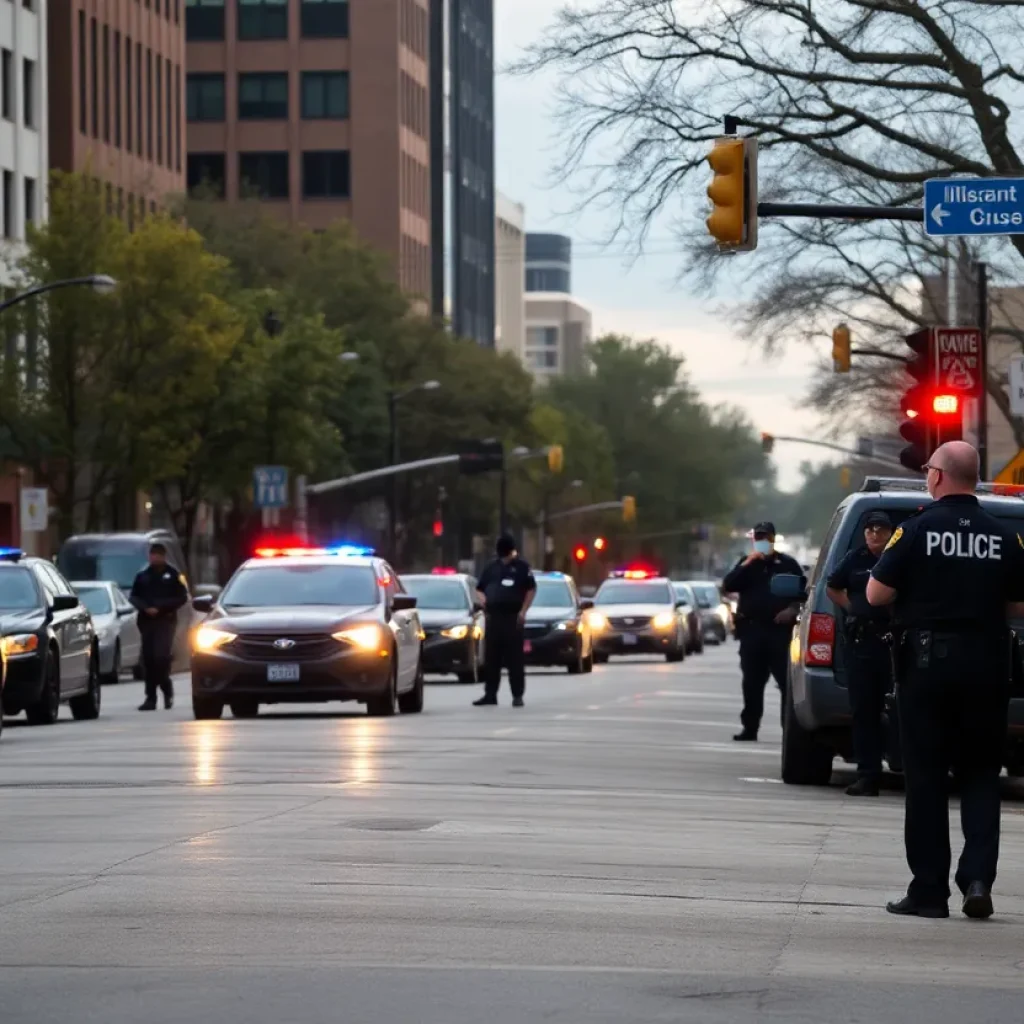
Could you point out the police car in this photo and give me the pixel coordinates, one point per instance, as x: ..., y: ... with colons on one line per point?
x: 637, y: 611
x: 557, y: 630
x: 304, y: 625
x: 817, y: 717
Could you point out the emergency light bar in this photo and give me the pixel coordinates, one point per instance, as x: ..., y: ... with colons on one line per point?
x: 632, y: 574
x: 442, y: 571
x: 10, y: 554
x: 342, y: 550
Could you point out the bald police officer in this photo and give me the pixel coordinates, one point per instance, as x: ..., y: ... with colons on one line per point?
x: 953, y: 574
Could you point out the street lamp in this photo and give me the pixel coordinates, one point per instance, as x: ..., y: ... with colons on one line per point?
x: 102, y: 284
x: 348, y: 357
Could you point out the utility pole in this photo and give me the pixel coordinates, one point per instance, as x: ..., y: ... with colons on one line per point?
x: 393, y: 482
x: 981, y: 282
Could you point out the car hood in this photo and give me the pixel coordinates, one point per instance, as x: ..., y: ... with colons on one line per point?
x: 19, y: 621
x: 441, y: 618
x: 299, y: 619
x: 617, y: 610
x: 550, y: 614
x: 102, y: 622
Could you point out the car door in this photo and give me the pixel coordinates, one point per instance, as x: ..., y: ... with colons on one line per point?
x: 407, y: 629
x: 128, y: 629
x: 79, y: 631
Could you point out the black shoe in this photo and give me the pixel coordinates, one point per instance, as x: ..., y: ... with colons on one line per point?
x: 168, y: 701
x: 977, y: 902
x: 148, y: 705
x: 484, y: 702
x: 517, y: 702
x: 863, y: 787
x: 906, y: 907
x: 746, y: 736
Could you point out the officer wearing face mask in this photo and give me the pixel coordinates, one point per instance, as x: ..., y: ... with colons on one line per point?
x: 764, y: 624
x: 868, y: 662
x: 954, y: 575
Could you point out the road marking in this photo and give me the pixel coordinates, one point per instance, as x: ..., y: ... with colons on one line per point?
x: 754, y: 778
x: 506, y: 732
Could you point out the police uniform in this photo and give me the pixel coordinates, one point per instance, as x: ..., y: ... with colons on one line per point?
x: 505, y: 586
x: 163, y: 589
x: 867, y: 657
x: 764, y: 643
x: 954, y: 568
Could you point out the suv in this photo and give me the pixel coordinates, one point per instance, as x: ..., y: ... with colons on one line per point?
x: 817, y: 717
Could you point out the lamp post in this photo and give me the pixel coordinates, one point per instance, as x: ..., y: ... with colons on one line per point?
x: 394, y: 397
x: 102, y: 284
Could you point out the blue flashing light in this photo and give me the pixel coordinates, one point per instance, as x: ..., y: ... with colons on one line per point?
x: 349, y: 550
x: 11, y: 554
x: 550, y: 574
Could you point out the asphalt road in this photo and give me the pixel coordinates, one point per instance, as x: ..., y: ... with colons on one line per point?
x: 605, y: 855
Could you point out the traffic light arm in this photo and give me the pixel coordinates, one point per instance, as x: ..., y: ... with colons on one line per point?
x: 377, y: 474
x: 880, y: 460
x: 601, y: 506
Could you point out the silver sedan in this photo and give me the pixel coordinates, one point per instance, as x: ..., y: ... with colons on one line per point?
x: 116, y: 629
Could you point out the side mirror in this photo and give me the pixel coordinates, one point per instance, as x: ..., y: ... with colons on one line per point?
x: 477, y: 607
x: 789, y: 586
x: 586, y: 604
x: 65, y: 603
x: 682, y: 604
x: 207, y: 590
x: 203, y: 603
x: 123, y: 613
x: 403, y: 603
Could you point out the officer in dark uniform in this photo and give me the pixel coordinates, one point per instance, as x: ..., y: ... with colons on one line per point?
x: 764, y: 624
x: 868, y: 660
x: 158, y: 592
x: 953, y: 574
x: 506, y: 589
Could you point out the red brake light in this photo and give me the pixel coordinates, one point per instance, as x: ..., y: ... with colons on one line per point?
x: 821, y: 637
x: 946, y: 405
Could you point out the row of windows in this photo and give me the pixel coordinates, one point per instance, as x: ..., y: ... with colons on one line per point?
x: 7, y: 197
x: 415, y: 186
x: 129, y: 102
x: 8, y: 96
x: 414, y: 271
x: 264, y: 96
x: 326, y: 174
x: 414, y: 108
x: 266, y: 19
x: 414, y: 28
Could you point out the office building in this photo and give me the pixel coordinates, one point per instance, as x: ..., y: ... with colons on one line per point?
x: 116, y: 97
x: 548, y: 263
x: 509, y: 270
x: 462, y: 166
x: 320, y: 107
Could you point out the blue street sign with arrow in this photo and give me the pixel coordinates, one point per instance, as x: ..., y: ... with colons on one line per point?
x: 974, y: 206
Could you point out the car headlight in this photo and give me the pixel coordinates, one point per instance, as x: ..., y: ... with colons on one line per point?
x: 366, y: 638
x: 20, y: 643
x: 597, y: 621
x: 568, y: 624
x: 209, y: 638
x: 663, y: 620
x: 478, y: 631
x: 456, y: 632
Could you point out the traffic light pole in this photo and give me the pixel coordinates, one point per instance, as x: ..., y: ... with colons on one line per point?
x: 982, y: 299
x: 879, y: 459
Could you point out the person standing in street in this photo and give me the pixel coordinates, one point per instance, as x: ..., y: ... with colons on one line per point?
x: 158, y: 592
x: 953, y: 574
x: 764, y: 625
x: 868, y: 661
x: 506, y: 589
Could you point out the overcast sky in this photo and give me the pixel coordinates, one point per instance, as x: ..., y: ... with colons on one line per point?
x: 641, y: 299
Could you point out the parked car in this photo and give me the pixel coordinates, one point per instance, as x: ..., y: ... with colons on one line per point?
x: 695, y: 626
x: 116, y: 625
x: 714, y: 612
x: 453, y: 624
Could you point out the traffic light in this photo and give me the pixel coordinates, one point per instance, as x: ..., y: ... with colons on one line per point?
x: 556, y: 458
x: 599, y: 544
x: 844, y: 478
x: 916, y: 404
x: 733, y: 193
x: 628, y: 509
x: 947, y: 417
x: 477, y: 457
x: 841, y: 340
x: 767, y: 443
x: 579, y: 553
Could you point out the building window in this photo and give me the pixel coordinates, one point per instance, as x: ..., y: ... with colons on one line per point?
x: 204, y: 20
x: 169, y: 93
x: 28, y: 93
x: 30, y: 201
x: 326, y: 174
x: 542, y: 359
x: 8, y: 204
x: 205, y: 171
x: 7, y: 85
x: 542, y: 337
x: 106, y: 84
x: 204, y: 96
x: 324, y: 19
x: 83, y: 124
x: 149, y: 104
x: 266, y: 174
x: 158, y: 110
x: 262, y: 19
x: 117, y: 89
x: 138, y: 98
x: 177, y: 117
x: 95, y: 82
x: 263, y: 96
x: 325, y: 95
x: 128, y: 94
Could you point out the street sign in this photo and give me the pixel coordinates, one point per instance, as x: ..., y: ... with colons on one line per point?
x: 958, y: 359
x: 974, y: 206
x: 35, y: 509
x: 1017, y: 385
x: 270, y: 486
x: 1013, y: 471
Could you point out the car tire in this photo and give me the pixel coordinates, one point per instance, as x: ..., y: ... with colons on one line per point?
x: 86, y: 707
x: 207, y: 708
x: 115, y: 668
x: 675, y: 654
x: 575, y: 666
x: 47, y: 708
x: 588, y: 663
x: 245, y: 708
x: 805, y: 761
x: 386, y: 705
x: 411, y: 703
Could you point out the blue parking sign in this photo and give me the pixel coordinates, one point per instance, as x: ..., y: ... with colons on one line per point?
x: 270, y: 486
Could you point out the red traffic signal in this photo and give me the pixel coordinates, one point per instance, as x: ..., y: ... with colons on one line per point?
x: 580, y: 553
x: 946, y: 405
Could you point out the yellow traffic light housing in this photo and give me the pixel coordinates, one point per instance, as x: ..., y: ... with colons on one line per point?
x: 628, y: 509
x: 733, y: 192
x: 845, y: 477
x: 556, y: 458
x: 767, y: 443
x: 841, y: 341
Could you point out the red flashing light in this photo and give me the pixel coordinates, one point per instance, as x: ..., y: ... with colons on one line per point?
x: 288, y: 552
x: 438, y: 528
x: 946, y: 405
x: 580, y: 553
x: 442, y: 571
x: 637, y: 574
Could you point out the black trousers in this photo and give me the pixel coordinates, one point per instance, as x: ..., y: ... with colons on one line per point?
x: 503, y: 648
x: 953, y: 714
x: 157, y: 651
x: 764, y: 652
x: 869, y: 678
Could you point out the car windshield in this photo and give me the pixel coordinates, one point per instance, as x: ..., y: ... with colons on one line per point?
x: 17, y: 591
x: 274, y: 586
x: 707, y: 595
x: 96, y: 599
x: 117, y: 560
x: 553, y: 594
x: 683, y: 593
x: 628, y: 592
x: 440, y: 594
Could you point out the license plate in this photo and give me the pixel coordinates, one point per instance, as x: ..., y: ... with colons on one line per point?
x: 628, y: 639
x: 527, y: 647
x: 282, y: 673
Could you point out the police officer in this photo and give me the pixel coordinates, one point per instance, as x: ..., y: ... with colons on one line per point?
x: 506, y: 589
x: 953, y: 574
x: 764, y: 624
x: 868, y: 657
x: 158, y: 592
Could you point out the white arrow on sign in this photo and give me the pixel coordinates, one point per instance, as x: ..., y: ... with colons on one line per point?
x: 939, y: 214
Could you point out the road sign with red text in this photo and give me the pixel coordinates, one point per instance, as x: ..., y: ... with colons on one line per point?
x: 958, y: 359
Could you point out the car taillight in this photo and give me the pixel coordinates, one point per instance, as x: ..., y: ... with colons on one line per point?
x: 821, y: 637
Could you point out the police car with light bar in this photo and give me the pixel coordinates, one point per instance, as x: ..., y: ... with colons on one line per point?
x: 306, y: 625
x: 636, y: 611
